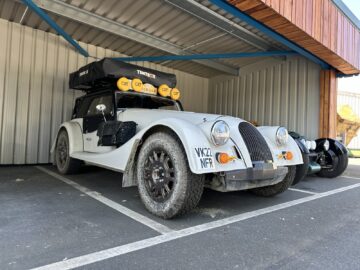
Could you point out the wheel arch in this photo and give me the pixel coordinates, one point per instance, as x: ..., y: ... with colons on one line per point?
x: 335, y: 146
x: 74, y: 132
x: 188, y: 134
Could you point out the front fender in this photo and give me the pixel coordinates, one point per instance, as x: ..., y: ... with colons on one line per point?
x: 197, y: 146
x: 302, y: 147
x: 269, y: 134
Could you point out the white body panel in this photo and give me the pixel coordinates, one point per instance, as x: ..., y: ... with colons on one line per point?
x: 193, y: 129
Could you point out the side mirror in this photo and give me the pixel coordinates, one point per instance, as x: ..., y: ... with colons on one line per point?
x: 101, y: 108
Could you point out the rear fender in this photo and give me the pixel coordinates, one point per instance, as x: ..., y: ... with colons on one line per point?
x: 76, y: 143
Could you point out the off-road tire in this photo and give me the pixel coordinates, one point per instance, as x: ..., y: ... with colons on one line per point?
x: 64, y: 163
x: 338, y: 170
x: 278, y: 188
x: 302, y: 169
x: 187, y: 187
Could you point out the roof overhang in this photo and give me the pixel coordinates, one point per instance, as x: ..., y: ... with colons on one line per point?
x: 319, y: 27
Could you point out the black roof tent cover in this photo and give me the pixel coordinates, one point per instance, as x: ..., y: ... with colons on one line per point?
x: 104, y: 73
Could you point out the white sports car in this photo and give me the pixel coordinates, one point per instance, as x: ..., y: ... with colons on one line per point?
x: 140, y: 129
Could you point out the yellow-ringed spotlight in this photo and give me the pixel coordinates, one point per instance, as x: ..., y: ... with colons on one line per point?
x: 136, y: 85
x: 123, y: 84
x: 175, y: 94
x: 149, y: 89
x: 164, y: 90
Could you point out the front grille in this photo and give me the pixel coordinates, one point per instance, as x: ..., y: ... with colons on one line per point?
x: 255, y: 142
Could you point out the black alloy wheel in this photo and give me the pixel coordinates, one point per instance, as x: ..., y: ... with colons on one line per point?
x: 159, y: 175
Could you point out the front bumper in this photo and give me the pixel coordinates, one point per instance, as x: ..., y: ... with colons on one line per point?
x: 262, y: 174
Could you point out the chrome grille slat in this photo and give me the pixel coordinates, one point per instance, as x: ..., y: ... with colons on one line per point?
x: 255, y: 142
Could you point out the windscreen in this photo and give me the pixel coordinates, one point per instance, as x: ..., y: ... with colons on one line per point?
x: 127, y: 100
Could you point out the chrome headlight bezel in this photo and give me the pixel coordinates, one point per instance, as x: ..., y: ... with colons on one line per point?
x: 220, y: 133
x: 282, y: 136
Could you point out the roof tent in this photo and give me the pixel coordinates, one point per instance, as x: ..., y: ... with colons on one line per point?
x: 106, y: 72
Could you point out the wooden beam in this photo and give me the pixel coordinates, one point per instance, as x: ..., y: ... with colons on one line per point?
x: 328, y: 102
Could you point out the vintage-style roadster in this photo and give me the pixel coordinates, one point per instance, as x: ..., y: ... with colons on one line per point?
x: 131, y: 120
x: 324, y: 157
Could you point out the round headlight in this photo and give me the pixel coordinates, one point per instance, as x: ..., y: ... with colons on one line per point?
x: 282, y: 136
x: 220, y: 133
x: 303, y: 142
x: 313, y: 145
x: 308, y: 145
x: 326, y: 145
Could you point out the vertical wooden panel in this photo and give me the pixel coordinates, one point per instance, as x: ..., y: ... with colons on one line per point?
x: 333, y: 27
x: 325, y: 24
x: 328, y: 96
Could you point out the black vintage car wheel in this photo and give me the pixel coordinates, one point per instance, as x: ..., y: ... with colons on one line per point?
x: 335, y: 164
x: 64, y: 163
x: 167, y: 186
x: 159, y: 175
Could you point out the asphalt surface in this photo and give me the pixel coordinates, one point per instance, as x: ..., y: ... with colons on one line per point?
x: 44, y: 220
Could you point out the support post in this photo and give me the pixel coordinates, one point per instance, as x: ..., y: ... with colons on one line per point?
x: 328, y: 104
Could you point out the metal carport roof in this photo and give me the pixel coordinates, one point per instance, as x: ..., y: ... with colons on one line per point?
x: 152, y: 27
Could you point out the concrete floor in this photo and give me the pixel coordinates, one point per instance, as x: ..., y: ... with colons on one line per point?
x: 88, y: 221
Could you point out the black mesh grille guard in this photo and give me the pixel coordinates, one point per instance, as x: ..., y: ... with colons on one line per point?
x: 255, y: 142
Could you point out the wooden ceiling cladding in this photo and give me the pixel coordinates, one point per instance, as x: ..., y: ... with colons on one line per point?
x: 316, y: 25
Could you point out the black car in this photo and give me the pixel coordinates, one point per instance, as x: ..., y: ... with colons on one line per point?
x: 324, y: 157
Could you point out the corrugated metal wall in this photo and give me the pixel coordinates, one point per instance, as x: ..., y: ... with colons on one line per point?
x: 272, y: 92
x: 353, y: 100
x: 34, y: 97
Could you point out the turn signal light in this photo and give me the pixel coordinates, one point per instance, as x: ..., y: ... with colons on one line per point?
x: 224, y: 158
x: 289, y: 155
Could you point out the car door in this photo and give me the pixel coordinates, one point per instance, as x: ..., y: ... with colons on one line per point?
x: 93, y: 119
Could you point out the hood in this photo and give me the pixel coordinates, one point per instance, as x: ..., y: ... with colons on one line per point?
x: 151, y: 115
